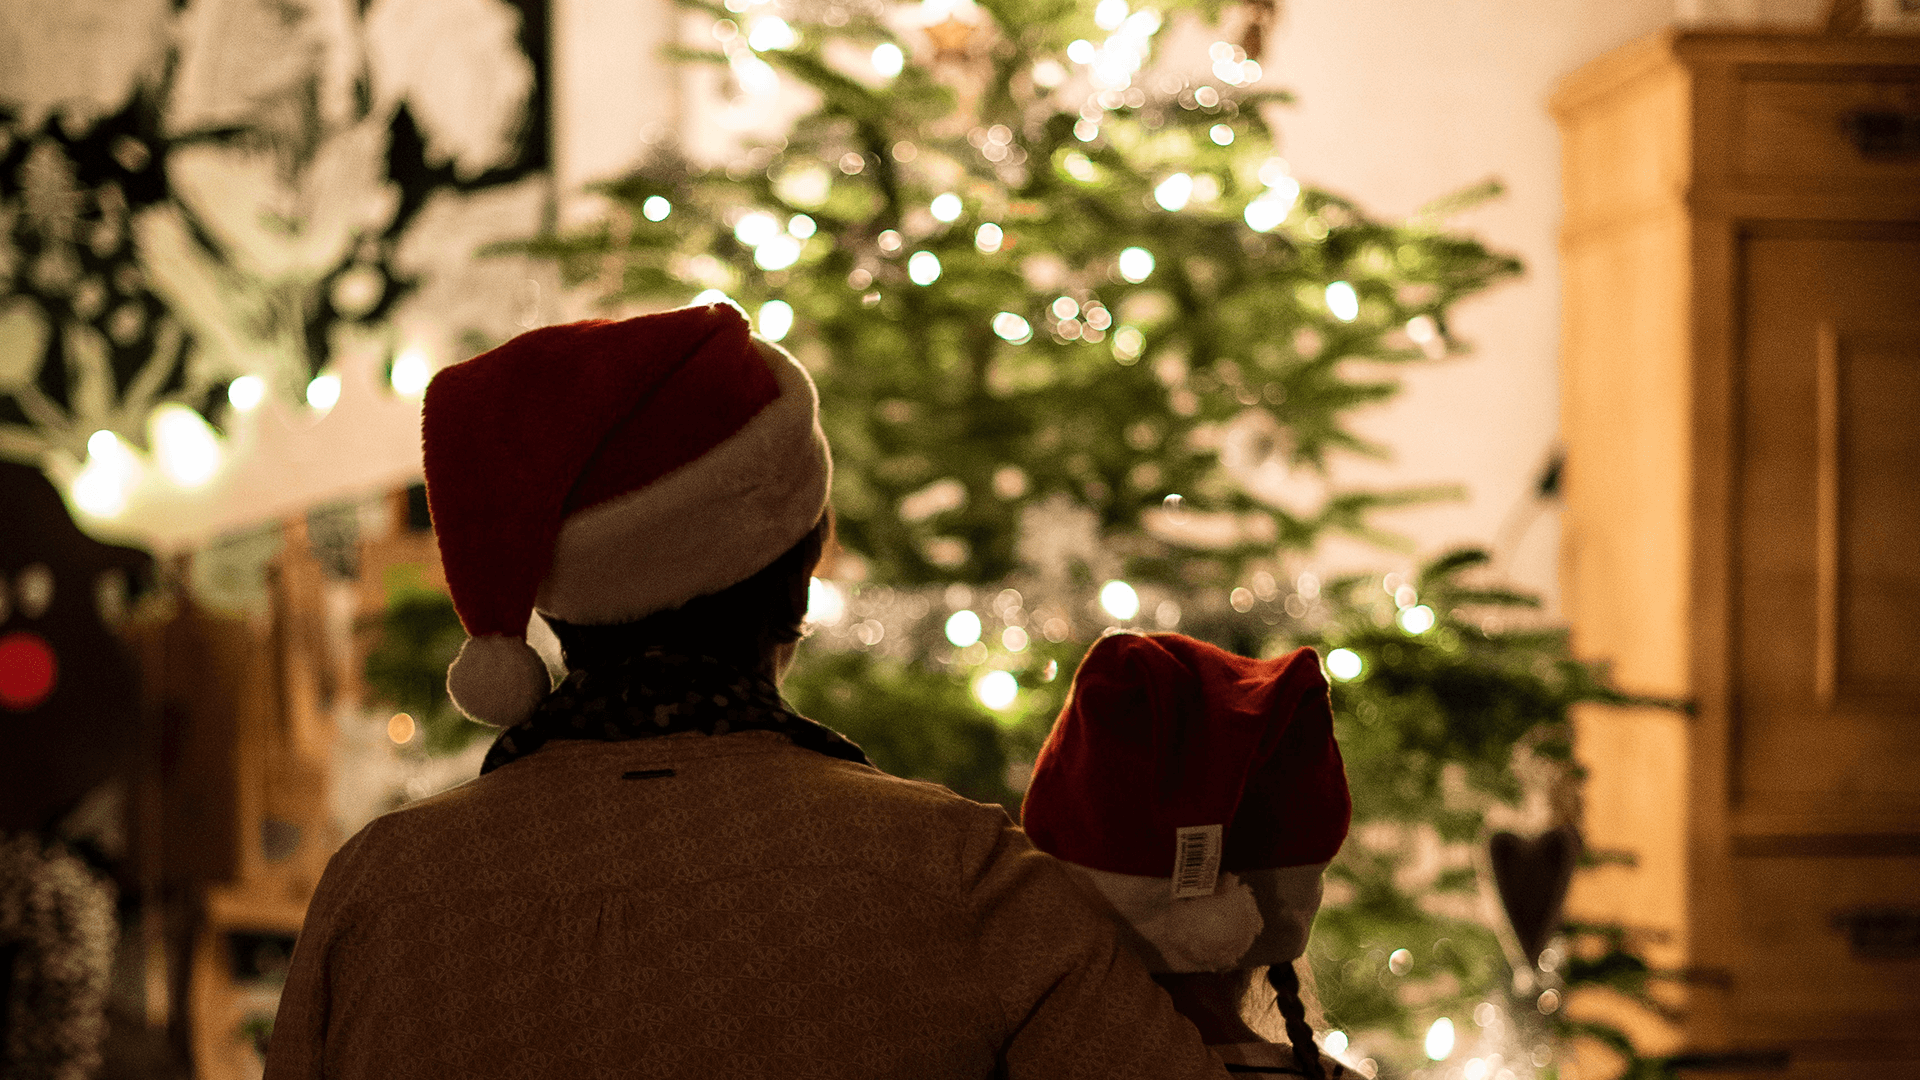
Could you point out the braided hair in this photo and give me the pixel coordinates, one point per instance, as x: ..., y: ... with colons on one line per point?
x: 1286, y: 987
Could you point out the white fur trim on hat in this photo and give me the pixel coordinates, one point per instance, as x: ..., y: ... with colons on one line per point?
x: 1201, y: 933
x: 712, y: 523
x: 497, y: 680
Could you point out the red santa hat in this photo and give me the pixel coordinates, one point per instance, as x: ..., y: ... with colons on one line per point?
x: 1197, y: 794
x: 602, y: 471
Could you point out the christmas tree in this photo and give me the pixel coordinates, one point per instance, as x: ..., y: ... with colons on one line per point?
x: 1086, y: 350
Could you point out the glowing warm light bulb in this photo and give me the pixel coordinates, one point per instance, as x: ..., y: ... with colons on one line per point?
x: 656, y: 208
x: 1440, y: 1039
x: 826, y: 604
x: 108, y: 478
x: 996, y: 689
x: 778, y: 253
x: 771, y: 33
x: 1136, y: 264
x: 756, y: 75
x: 1344, y: 664
x: 1335, y: 1042
x: 988, y: 238
x: 247, y: 392
x: 963, y: 628
x: 184, y: 445
x: 1417, y: 619
x: 946, y: 206
x: 888, y: 60
x: 1174, y: 191
x: 1343, y: 301
x: 323, y: 392
x: 776, y: 318
x: 1013, y: 328
x: 411, y: 373
x: 923, y: 268
x: 1119, y: 600
x: 1273, y: 205
x: 756, y: 228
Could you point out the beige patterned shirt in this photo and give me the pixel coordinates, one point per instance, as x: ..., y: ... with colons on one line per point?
x: 759, y: 910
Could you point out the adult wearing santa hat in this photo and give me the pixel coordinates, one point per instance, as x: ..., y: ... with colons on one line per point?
x: 1197, y: 796
x: 662, y: 871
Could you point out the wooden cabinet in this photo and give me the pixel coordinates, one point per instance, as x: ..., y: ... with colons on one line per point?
x: 1741, y: 405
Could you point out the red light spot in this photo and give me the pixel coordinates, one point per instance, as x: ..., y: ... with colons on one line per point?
x: 27, y: 670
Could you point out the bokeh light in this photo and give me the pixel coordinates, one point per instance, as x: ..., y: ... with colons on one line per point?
x: 1173, y: 192
x: 1344, y: 664
x: 247, y: 392
x: 1417, y: 619
x: 923, y: 268
x: 826, y: 604
x: 996, y: 689
x: 184, y: 445
x: 1440, y: 1039
x: 963, y: 628
x: 1136, y: 264
x: 1343, y: 301
x: 776, y: 318
x: 756, y: 228
x: 1013, y: 328
x: 411, y: 372
x: 1119, y: 600
x: 323, y: 392
x: 771, y: 33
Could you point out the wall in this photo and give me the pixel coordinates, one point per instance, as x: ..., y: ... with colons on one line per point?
x: 1399, y: 101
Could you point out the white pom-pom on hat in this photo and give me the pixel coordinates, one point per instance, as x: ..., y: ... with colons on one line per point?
x: 1196, y: 933
x: 1206, y: 933
x: 497, y: 680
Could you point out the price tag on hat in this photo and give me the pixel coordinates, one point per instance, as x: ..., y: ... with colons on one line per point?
x: 1196, y: 860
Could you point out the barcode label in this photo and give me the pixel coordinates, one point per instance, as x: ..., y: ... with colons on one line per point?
x: 1196, y: 860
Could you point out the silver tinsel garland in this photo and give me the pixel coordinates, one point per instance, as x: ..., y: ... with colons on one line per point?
x: 60, y: 917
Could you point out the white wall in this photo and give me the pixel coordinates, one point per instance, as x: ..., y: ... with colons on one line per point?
x: 1403, y: 100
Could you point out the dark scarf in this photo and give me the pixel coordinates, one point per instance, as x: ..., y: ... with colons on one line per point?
x: 658, y: 692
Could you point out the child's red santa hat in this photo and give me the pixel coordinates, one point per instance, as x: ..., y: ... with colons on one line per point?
x: 1196, y: 793
x: 603, y: 471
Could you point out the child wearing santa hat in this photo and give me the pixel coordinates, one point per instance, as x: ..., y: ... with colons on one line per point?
x: 663, y: 871
x: 1197, y: 796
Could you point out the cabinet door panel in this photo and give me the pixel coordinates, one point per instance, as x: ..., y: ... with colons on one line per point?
x: 1829, y: 528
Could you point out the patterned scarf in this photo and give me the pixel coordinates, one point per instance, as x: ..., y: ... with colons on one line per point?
x: 657, y: 692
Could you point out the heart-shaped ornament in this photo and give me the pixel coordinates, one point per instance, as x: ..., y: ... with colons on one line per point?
x: 1533, y: 875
